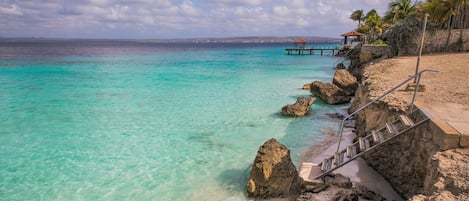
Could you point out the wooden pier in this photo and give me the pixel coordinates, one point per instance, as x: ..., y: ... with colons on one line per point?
x: 311, y: 51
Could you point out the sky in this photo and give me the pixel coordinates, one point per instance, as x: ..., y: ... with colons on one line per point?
x: 156, y: 19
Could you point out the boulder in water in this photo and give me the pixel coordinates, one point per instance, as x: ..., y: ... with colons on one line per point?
x: 300, y: 108
x: 330, y: 93
x: 345, y: 81
x: 273, y: 174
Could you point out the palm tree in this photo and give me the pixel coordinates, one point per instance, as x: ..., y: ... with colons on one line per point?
x: 400, y: 9
x: 374, y: 21
x: 357, y: 16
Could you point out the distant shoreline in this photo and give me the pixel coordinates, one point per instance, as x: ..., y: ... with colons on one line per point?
x: 187, y: 40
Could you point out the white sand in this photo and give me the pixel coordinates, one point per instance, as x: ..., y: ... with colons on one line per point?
x: 358, y: 171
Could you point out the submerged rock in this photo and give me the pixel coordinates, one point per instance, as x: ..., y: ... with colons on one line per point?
x: 329, y: 92
x: 345, y: 81
x: 273, y: 174
x: 300, y: 108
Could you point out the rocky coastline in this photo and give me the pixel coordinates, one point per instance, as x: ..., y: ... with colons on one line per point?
x: 421, y: 165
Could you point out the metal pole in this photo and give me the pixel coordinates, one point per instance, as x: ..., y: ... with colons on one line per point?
x: 415, y: 93
x: 421, y: 47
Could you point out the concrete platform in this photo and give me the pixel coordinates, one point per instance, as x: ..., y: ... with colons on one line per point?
x: 452, y: 119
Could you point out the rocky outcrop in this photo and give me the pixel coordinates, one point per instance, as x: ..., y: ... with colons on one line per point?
x: 345, y: 81
x: 362, y: 55
x: 337, y: 187
x: 447, y: 177
x: 343, y: 52
x: 329, y: 93
x: 273, y: 174
x: 300, y: 108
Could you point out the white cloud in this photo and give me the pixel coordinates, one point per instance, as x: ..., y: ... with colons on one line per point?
x: 180, y: 18
x: 281, y: 10
x: 188, y: 8
x: 372, y: 2
x: 296, y: 3
x: 242, y: 2
x: 11, y: 10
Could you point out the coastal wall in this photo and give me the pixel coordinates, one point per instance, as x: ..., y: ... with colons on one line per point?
x: 435, y: 41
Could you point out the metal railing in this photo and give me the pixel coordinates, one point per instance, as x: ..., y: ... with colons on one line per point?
x: 411, y: 107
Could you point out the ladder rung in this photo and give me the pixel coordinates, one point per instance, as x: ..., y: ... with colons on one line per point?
x: 377, y: 136
x: 390, y: 128
x: 364, y: 144
x: 406, y: 120
x: 351, y: 151
x: 326, y: 164
x: 338, y: 158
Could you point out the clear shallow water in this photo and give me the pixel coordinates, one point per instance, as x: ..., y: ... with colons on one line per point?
x: 125, y: 121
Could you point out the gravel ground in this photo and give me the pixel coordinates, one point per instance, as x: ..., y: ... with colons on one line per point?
x: 450, y: 85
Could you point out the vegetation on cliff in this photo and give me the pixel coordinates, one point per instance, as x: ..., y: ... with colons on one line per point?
x: 404, y: 19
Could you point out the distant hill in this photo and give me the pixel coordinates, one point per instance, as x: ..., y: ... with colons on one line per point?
x: 263, y: 39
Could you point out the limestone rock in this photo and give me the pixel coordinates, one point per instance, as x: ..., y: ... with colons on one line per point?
x: 273, y: 174
x: 337, y: 187
x: 307, y: 86
x: 344, y: 195
x: 300, y: 108
x: 346, y: 81
x: 448, y: 175
x: 329, y: 92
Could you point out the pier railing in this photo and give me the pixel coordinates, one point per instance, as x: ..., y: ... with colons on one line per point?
x: 411, y: 107
x: 312, y: 50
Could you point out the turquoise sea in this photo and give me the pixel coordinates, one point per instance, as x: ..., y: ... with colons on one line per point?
x: 123, y: 120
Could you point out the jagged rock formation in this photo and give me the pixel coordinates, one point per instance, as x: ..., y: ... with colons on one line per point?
x: 330, y: 93
x: 448, y: 176
x: 273, y: 174
x: 300, y: 108
x: 336, y: 187
x: 345, y: 81
x: 362, y: 55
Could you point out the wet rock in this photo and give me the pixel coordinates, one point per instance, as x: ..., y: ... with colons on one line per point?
x: 338, y: 180
x: 315, y: 188
x: 364, y: 193
x: 273, y: 174
x: 337, y: 187
x: 329, y: 92
x: 345, y: 81
x: 300, y: 108
x: 345, y: 195
x: 335, y: 115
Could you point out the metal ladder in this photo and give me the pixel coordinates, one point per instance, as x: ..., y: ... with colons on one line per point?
x: 390, y: 130
x: 373, y: 140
